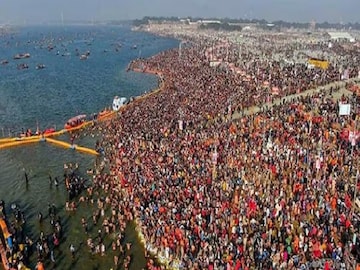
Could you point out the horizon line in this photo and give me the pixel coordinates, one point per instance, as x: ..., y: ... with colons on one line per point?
x: 92, y: 21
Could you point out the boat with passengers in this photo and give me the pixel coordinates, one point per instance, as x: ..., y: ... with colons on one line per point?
x: 75, y: 122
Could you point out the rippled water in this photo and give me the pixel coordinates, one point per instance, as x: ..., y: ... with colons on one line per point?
x: 66, y: 87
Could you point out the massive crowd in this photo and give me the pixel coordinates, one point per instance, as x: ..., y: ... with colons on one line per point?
x: 214, y: 188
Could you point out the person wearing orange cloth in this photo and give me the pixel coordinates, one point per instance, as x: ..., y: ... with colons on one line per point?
x: 40, y: 266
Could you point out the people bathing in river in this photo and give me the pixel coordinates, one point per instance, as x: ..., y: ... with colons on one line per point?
x: 40, y: 217
x: 51, y: 210
x: 18, y: 245
x: 84, y: 225
x: 26, y: 177
x: 70, y: 206
x: 27, y: 133
x: 2, y: 209
x: 56, y: 181
x: 72, y: 251
x: 74, y: 183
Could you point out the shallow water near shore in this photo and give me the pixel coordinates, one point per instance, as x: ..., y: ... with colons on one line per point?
x: 48, y: 97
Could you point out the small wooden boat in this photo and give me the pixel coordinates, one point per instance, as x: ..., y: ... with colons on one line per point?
x: 22, y: 66
x: 21, y: 55
x: 40, y: 66
x: 75, y: 121
x: 49, y: 131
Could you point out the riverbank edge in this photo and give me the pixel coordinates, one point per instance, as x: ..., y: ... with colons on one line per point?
x: 153, y: 251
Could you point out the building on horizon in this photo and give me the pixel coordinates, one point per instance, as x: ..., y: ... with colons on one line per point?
x: 341, y: 36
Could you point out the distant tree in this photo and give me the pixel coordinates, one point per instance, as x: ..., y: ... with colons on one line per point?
x: 220, y: 26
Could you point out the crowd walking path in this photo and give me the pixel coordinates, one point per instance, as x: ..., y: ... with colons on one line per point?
x: 336, y: 85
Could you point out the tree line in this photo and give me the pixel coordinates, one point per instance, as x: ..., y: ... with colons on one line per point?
x: 227, y: 23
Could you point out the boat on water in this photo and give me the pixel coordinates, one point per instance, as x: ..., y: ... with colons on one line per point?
x: 21, y: 55
x: 75, y: 121
x: 49, y: 131
x: 118, y: 102
x: 50, y: 47
x: 22, y: 66
x: 85, y: 55
x: 40, y: 66
x: 4, y: 62
x: 134, y: 47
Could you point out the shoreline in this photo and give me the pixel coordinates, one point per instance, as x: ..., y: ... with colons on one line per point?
x: 150, y: 249
x: 160, y: 87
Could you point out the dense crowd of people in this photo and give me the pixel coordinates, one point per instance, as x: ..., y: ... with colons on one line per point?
x: 212, y: 184
x: 213, y: 188
x: 20, y: 247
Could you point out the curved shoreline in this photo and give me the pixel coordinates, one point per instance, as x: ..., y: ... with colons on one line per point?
x: 157, y: 73
x: 153, y: 251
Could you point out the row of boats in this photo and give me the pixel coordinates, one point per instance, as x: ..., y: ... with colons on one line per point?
x: 26, y: 66
x: 80, y: 120
x: 82, y: 56
x: 16, y: 57
x: 22, y: 65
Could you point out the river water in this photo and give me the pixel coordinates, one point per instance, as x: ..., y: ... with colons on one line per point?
x: 66, y: 87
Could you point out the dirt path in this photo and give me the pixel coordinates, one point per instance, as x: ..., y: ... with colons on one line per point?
x: 337, y: 94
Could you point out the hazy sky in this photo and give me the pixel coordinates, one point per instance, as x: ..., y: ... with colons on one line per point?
x: 35, y: 11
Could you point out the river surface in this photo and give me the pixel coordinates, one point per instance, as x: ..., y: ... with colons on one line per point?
x: 45, y: 98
